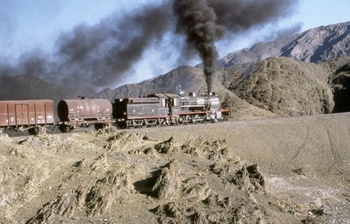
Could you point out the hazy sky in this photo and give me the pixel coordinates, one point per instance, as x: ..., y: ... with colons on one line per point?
x: 37, y: 24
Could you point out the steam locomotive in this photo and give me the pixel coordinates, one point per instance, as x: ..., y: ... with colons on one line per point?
x: 152, y: 110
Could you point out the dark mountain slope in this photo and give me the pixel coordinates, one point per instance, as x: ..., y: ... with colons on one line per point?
x: 340, y: 83
x: 24, y: 87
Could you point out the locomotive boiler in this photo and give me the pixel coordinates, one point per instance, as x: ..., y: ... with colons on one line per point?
x: 204, y: 102
x: 201, y: 108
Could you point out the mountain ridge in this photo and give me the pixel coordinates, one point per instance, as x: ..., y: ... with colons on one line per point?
x: 314, y: 45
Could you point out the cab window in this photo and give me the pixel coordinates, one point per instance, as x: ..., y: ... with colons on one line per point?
x: 163, y: 104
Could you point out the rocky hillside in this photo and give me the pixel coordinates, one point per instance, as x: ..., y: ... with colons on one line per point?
x: 315, y: 45
x: 283, y: 86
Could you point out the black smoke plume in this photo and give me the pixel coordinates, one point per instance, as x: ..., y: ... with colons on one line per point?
x: 205, y: 21
x: 241, y: 15
x: 91, y: 57
x: 110, y: 48
x: 96, y: 56
x: 198, y: 21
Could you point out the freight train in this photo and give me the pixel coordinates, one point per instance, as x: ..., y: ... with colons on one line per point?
x: 152, y: 110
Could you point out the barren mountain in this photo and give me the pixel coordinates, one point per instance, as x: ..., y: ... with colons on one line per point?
x: 315, y: 45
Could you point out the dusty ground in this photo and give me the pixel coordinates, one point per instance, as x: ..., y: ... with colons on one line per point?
x: 290, y: 170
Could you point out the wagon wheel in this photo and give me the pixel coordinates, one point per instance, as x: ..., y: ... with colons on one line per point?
x: 65, y: 128
x: 144, y: 123
x: 158, y: 122
x: 99, y: 126
x: 122, y: 125
x: 33, y: 131
x: 162, y: 122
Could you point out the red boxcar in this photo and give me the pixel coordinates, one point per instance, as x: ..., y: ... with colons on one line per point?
x: 23, y: 115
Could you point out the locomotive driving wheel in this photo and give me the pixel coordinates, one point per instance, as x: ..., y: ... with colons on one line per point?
x: 180, y: 120
x: 187, y: 119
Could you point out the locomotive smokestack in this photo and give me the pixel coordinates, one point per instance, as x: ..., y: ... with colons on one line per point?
x: 196, y: 19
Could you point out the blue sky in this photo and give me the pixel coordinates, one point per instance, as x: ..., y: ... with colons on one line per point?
x: 314, y: 13
x: 36, y: 24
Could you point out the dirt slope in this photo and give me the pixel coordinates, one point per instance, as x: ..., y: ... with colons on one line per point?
x: 292, y: 170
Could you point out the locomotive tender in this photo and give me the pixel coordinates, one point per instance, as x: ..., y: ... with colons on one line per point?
x: 153, y: 110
